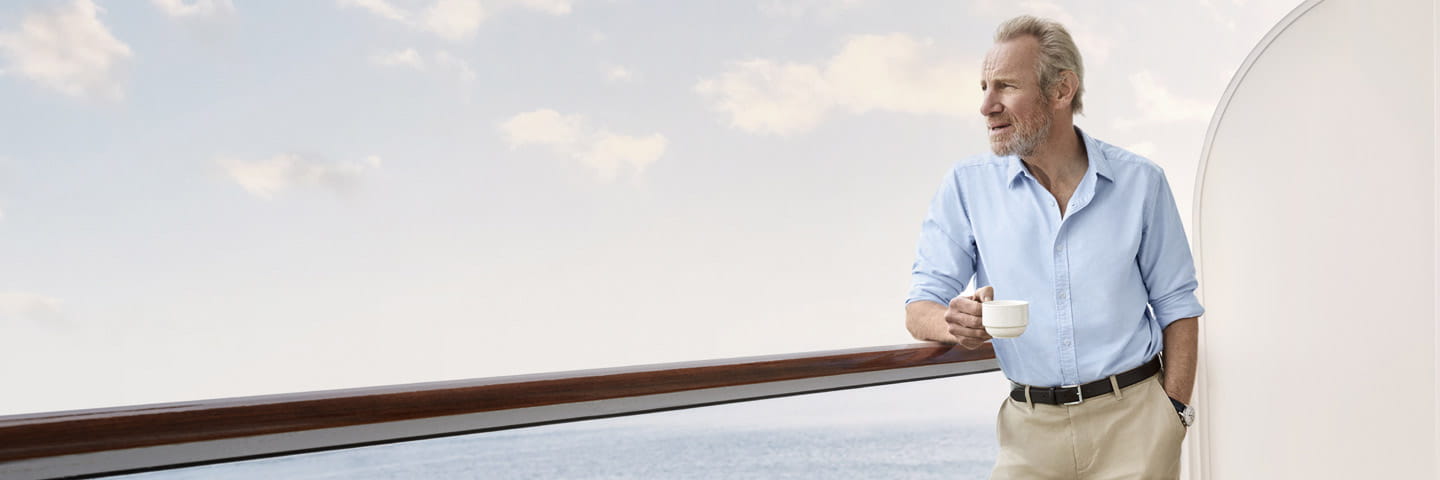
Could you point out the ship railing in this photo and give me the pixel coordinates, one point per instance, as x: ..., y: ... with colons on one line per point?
x: 130, y: 439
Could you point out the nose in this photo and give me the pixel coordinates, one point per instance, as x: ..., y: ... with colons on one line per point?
x: 990, y: 104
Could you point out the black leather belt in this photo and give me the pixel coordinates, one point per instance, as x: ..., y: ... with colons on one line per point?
x: 1071, y: 395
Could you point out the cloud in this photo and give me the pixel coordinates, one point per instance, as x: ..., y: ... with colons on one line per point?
x: 544, y: 127
x: 762, y: 96
x: 441, y: 62
x: 894, y: 73
x: 380, y: 8
x: 194, y: 8
x: 29, y: 306
x: 399, y: 58
x: 610, y: 152
x: 619, y: 74
x: 456, y: 20
x: 453, y: 19
x: 1157, y: 105
x: 553, y: 7
x: 68, y: 50
x: 603, y: 152
x: 805, y: 8
x: 268, y: 177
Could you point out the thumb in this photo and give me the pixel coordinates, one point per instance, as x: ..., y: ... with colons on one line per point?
x: 985, y: 293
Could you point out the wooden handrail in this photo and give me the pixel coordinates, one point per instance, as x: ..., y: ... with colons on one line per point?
x: 28, y: 441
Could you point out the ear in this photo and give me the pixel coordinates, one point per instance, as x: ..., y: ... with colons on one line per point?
x: 1065, y: 89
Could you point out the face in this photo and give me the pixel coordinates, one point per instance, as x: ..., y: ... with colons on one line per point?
x: 1017, y: 112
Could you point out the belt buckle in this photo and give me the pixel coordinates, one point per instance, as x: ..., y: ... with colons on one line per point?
x: 1079, y: 395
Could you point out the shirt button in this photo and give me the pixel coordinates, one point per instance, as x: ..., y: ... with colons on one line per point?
x: 1062, y: 295
x: 1059, y: 249
x: 1066, y: 342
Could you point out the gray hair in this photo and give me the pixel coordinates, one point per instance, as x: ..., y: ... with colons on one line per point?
x: 1058, y: 52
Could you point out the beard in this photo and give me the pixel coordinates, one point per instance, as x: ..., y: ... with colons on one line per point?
x: 1028, y: 133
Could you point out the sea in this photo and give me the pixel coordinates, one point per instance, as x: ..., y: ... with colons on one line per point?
x: 615, y: 452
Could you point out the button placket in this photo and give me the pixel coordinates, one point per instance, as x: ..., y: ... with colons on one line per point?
x: 1069, y: 362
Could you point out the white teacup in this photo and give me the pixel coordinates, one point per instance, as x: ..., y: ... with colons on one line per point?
x: 1005, y: 318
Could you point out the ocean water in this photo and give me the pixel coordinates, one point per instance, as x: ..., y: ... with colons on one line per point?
x: 614, y: 450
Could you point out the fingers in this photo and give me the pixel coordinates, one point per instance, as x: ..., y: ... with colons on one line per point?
x: 965, y: 305
x: 963, y: 317
x: 985, y: 293
x: 971, y: 343
x: 966, y: 332
x: 966, y: 327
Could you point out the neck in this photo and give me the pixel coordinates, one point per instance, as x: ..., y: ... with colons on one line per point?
x: 1061, y: 159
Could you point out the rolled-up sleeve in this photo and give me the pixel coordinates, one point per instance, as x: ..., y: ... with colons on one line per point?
x: 1166, y: 266
x: 945, y: 256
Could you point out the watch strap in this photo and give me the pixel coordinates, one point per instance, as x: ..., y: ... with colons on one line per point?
x: 1179, y: 407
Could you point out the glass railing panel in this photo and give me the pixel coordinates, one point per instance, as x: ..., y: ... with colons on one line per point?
x: 918, y: 430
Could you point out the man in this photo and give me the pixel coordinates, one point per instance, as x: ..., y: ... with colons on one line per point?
x: 1090, y: 235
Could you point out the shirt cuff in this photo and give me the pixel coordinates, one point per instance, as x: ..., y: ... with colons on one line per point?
x: 919, y: 295
x: 1176, y: 306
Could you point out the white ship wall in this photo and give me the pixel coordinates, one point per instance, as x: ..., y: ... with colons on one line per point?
x: 1316, y: 225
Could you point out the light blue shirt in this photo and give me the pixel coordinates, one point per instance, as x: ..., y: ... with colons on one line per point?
x: 1103, y: 282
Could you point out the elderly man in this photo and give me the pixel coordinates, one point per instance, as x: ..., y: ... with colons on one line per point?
x: 1089, y: 234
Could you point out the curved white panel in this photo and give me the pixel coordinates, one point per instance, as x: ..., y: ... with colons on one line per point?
x: 1315, y: 230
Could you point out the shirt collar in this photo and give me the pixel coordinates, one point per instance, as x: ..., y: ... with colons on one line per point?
x: 1093, y: 153
x: 1017, y: 169
x: 1098, y: 162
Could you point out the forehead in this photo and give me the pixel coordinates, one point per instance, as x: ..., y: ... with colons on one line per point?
x: 1013, y: 59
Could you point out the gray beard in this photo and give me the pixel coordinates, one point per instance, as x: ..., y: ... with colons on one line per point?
x: 1025, y: 143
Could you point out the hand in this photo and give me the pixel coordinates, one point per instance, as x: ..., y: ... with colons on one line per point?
x: 963, y: 317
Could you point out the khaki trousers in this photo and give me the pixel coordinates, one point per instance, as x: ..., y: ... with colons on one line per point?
x: 1131, y: 435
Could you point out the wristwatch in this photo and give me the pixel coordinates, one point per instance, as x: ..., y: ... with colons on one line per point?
x: 1186, y: 412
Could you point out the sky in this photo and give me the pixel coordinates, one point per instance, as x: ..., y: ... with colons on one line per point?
x: 203, y: 199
